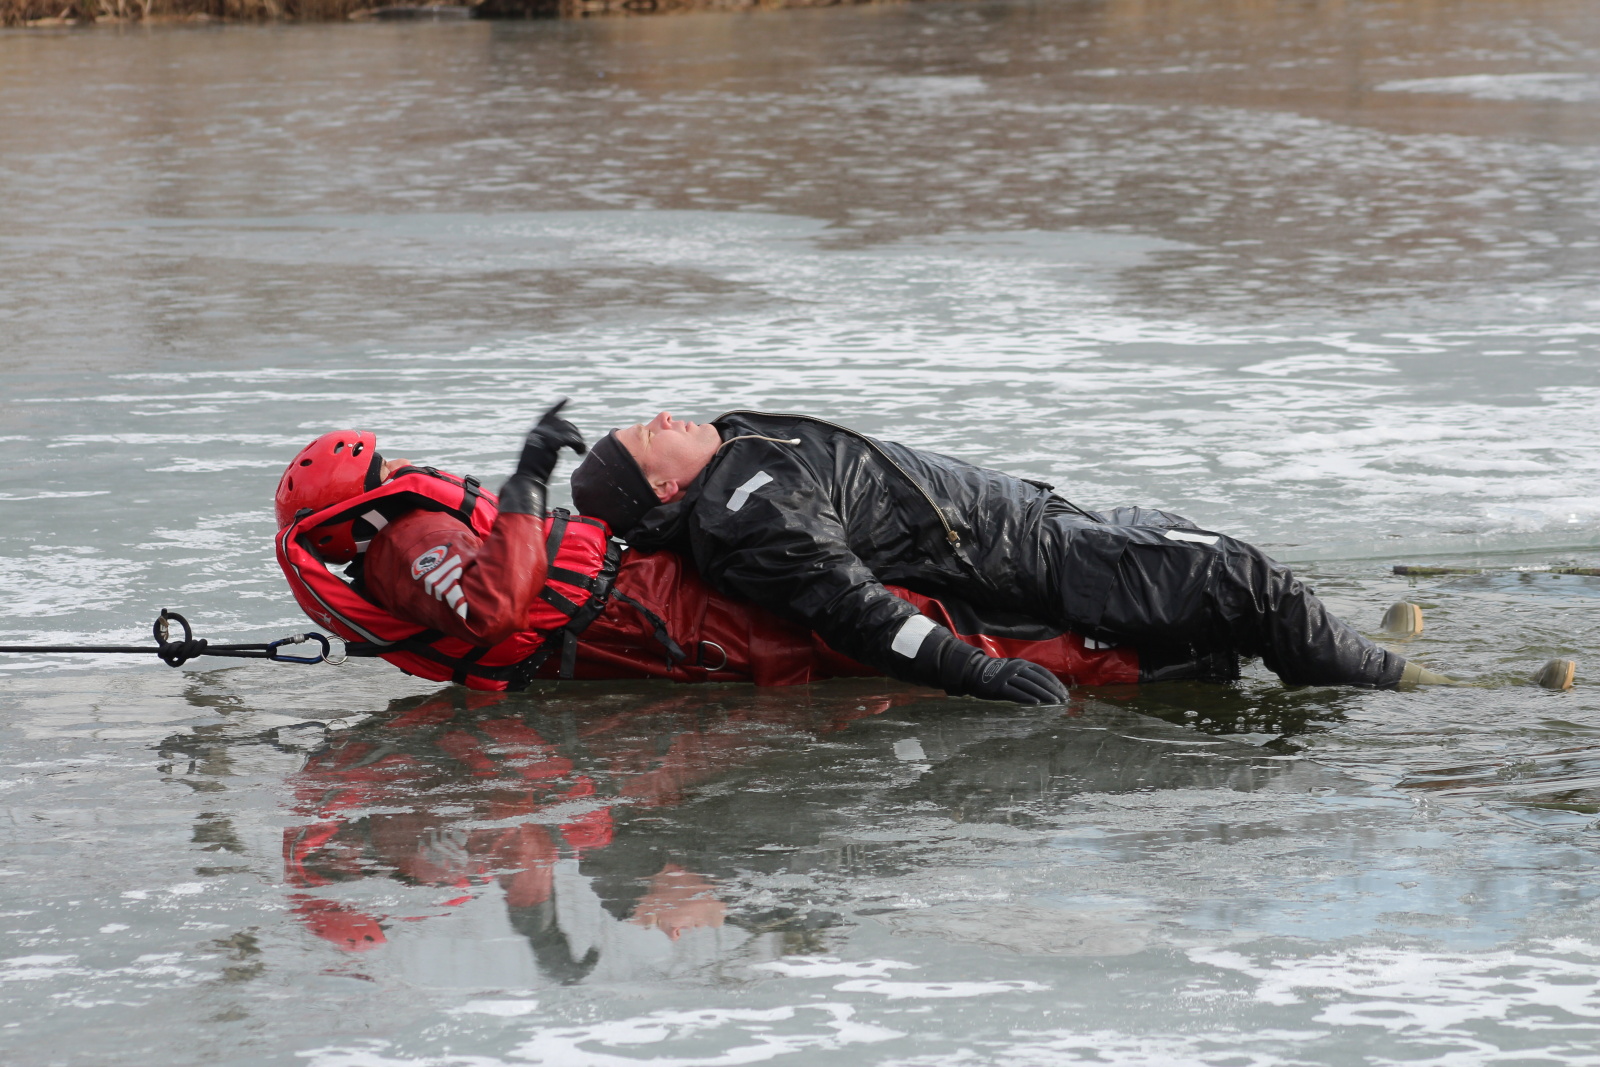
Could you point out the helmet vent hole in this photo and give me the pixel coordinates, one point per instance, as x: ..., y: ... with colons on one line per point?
x: 356, y: 451
x: 305, y: 463
x: 291, y: 485
x: 326, y: 540
x: 338, y: 448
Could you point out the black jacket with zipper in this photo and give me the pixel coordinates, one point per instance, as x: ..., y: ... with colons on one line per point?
x: 814, y: 530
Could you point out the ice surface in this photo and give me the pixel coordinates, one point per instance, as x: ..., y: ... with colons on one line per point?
x: 1323, y: 276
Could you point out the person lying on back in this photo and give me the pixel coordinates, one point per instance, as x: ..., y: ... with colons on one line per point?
x: 812, y: 520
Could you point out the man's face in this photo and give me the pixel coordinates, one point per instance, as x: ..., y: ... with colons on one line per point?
x: 670, y: 452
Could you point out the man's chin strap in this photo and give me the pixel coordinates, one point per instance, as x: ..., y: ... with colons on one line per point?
x: 374, y: 476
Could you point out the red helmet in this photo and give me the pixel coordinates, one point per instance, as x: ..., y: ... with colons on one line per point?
x: 334, y: 467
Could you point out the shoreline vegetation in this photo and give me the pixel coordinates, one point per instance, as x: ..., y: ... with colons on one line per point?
x: 51, y: 13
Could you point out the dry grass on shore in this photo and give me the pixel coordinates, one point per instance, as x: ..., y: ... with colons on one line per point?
x: 69, y: 12
x: 80, y: 12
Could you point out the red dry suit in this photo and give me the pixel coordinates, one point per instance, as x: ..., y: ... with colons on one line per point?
x: 448, y: 591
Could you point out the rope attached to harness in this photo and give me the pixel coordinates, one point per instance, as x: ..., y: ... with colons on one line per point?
x: 177, y: 653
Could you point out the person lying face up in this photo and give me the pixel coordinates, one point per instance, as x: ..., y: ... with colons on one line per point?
x: 810, y: 519
x: 749, y: 502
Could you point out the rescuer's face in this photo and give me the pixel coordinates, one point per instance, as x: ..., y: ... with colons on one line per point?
x: 670, y: 452
x: 386, y: 471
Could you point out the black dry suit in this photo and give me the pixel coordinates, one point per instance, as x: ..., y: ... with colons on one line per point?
x: 814, y: 530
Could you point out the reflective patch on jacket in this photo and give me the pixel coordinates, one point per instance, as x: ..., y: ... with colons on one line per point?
x: 912, y: 633
x: 742, y: 494
x: 445, y: 583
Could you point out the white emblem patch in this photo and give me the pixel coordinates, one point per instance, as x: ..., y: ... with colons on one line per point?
x: 429, y: 561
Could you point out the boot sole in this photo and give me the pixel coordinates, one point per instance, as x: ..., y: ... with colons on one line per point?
x: 1402, y: 620
x: 1558, y: 674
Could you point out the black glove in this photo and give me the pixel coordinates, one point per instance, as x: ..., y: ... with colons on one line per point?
x: 523, y: 492
x: 961, y: 670
x: 549, y: 436
x: 1016, y: 680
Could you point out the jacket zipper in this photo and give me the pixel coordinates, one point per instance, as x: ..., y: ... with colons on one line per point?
x: 949, y: 531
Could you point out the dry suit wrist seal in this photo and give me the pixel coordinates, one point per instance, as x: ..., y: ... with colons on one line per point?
x: 522, y: 495
x: 945, y: 661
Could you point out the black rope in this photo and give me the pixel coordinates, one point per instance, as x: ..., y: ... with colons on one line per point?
x: 177, y: 653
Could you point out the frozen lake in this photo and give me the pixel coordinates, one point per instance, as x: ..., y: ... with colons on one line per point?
x: 1323, y: 276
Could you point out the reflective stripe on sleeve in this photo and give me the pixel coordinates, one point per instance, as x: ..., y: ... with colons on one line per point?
x: 443, y: 576
x: 912, y: 633
x: 742, y: 494
x: 1190, y: 535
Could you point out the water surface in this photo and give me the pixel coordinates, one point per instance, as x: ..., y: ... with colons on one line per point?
x: 1321, y: 276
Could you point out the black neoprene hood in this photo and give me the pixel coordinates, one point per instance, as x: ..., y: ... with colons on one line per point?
x: 608, y: 485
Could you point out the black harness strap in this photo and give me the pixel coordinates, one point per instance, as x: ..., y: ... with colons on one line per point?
x: 464, y: 665
x: 566, y: 638
x: 675, y: 652
x: 559, y: 602
x: 559, y: 518
x: 421, y: 644
x: 561, y: 574
x: 569, y: 653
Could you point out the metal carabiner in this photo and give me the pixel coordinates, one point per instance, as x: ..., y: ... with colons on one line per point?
x: 299, y: 639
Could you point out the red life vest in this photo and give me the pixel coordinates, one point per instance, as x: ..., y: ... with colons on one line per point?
x: 582, y: 562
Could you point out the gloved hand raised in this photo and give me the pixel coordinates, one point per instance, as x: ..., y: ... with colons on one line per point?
x: 961, y: 670
x: 548, y: 437
x: 523, y: 492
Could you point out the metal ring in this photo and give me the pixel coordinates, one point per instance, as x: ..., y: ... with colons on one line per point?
x: 162, y: 630
x: 343, y: 654
x: 719, y: 648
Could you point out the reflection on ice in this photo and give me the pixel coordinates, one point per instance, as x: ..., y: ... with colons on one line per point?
x: 558, y: 841
x: 555, y: 841
x: 554, y: 813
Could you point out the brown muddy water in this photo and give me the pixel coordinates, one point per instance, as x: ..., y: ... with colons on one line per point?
x: 1324, y: 275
